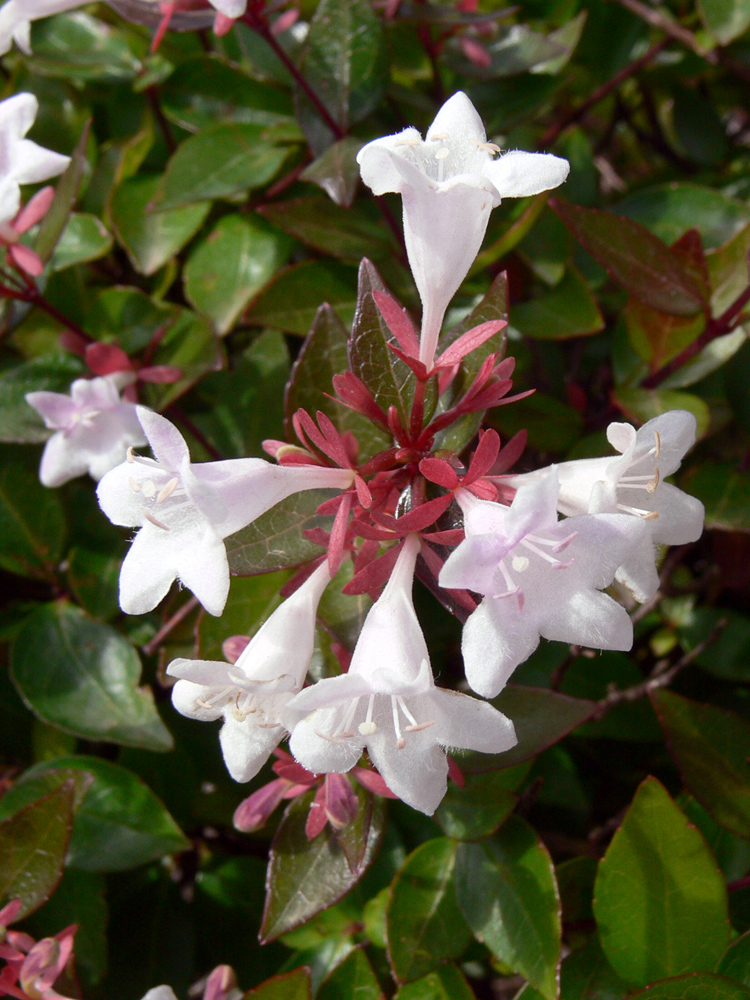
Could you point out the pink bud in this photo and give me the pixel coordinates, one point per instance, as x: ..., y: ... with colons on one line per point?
x: 476, y: 52
x: 161, y: 374
x: 253, y: 813
x: 341, y: 803
x: 234, y: 646
x: 220, y: 983
x: 284, y: 22
x: 36, y: 209
x: 105, y: 359
x: 223, y: 24
x: 26, y: 259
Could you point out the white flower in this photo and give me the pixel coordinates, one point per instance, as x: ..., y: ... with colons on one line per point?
x: 633, y: 483
x: 388, y: 703
x: 449, y: 183
x: 94, y: 428
x: 540, y: 577
x: 21, y: 160
x: 185, y: 511
x: 252, y: 695
x: 160, y: 993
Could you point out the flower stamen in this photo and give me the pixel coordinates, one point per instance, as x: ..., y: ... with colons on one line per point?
x: 150, y: 517
x: 167, y: 491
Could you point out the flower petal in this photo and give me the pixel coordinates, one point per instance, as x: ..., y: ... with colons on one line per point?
x: 246, y: 747
x: 148, y: 571
x: 517, y: 174
x: 319, y: 754
x: 470, y: 724
x: 494, y: 641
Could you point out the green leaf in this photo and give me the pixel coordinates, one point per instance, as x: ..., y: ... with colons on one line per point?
x: 353, y: 979
x: 587, y: 975
x: 698, y: 986
x: 479, y: 807
x: 447, y: 983
x: 275, y: 540
x: 727, y: 270
x: 66, y: 194
x: 291, y: 301
x: 657, y: 337
x: 507, y: 893
x: 347, y: 233
x: 697, y: 124
x: 660, y: 903
x: 19, y: 422
x: 669, y: 210
x: 711, y: 747
x: 424, y: 924
x: 735, y: 962
x: 552, y: 426
x: 323, y: 355
x: 343, y: 615
x: 337, y: 171
x: 307, y: 876
x: 94, y: 576
x: 120, y: 824
x: 33, y: 845
x: 713, y: 356
x: 569, y: 310
x: 637, y: 259
x: 79, y: 47
x: 541, y: 717
x: 231, y: 265
x: 251, y: 600
x: 723, y: 489
x: 293, y: 986
x: 388, y: 378
x: 188, y: 344
x: 725, y: 20
x: 82, y: 676
x: 150, y: 235
x: 204, y: 90
x: 84, y: 238
x: 344, y: 61
x: 32, y: 523
x: 221, y: 161
x: 641, y: 405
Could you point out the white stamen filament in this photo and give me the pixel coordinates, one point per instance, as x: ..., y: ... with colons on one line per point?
x: 537, y: 551
x: 346, y: 726
x: 368, y: 727
x: 638, y: 511
x: 400, y: 741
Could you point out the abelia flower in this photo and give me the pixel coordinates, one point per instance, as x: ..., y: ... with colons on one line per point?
x: 185, y: 511
x: 541, y: 578
x: 94, y: 428
x: 449, y: 183
x: 252, y: 694
x: 220, y: 985
x: 633, y: 483
x: 388, y: 703
x: 21, y: 160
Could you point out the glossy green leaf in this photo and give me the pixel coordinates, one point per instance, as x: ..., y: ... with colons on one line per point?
x: 660, y: 902
x: 699, y: 129
x: 727, y: 269
x: 94, y: 577
x: 203, y: 90
x: 658, y: 337
x: 725, y: 20
x: 569, y: 310
x: 82, y: 676
x: 189, y: 344
x: 292, y: 986
x: 637, y: 259
x: 540, y: 717
x: 551, y: 425
x: 713, y: 356
x: 66, y: 193
x: 275, y: 540
x: 219, y: 161
x: 353, y: 979
x: 84, y: 238
x: 32, y: 523
x: 80, y: 47
x: 507, y: 892
x: 670, y: 209
x: 731, y: 852
x: 337, y: 171
x: 388, y: 378
x: 251, y: 600
x: 735, y: 962
x: 641, y: 405
x: 323, y: 355
x: 291, y: 301
x: 344, y: 62
x: 152, y: 237
x: 120, y: 824
x: 698, y: 986
x: 307, y: 876
x: 477, y: 808
x: 347, y: 233
x: 587, y: 975
x: 231, y: 265
x: 33, y: 845
x: 343, y: 615
x: 724, y: 490
x: 446, y: 983
x: 711, y: 747
x: 424, y: 924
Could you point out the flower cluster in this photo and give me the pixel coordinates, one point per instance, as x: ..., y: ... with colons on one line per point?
x: 521, y: 557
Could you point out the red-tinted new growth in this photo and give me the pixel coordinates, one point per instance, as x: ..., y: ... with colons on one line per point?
x: 510, y: 453
x: 374, y: 575
x: 398, y: 323
x: 105, y: 359
x: 373, y: 782
x: 417, y: 519
x: 469, y: 342
x: 484, y: 457
x: 338, y: 535
x: 355, y: 395
x: 440, y: 472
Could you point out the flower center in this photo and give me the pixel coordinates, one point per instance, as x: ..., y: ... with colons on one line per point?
x: 368, y: 727
x: 162, y: 495
x: 240, y: 704
x: 541, y: 548
x: 648, y: 481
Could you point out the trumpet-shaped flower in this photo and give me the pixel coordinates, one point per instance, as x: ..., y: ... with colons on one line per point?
x: 184, y: 511
x: 252, y: 694
x: 21, y: 160
x: 540, y: 577
x: 388, y: 703
x: 94, y: 429
x: 449, y: 183
x: 633, y: 483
